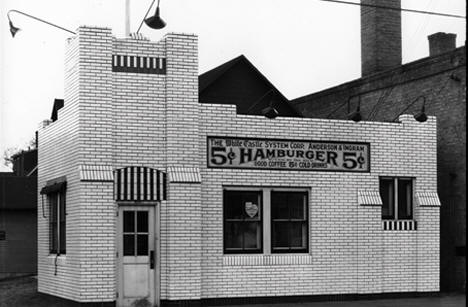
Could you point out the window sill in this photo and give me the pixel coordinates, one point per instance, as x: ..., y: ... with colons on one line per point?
x: 399, y: 225
x: 61, y: 259
x: 267, y: 260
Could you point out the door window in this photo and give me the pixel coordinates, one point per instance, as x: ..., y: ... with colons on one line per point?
x: 135, y: 233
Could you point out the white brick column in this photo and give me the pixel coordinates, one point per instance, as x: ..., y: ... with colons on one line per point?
x: 183, y: 211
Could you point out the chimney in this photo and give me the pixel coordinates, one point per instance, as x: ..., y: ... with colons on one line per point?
x: 380, y: 36
x: 441, y: 42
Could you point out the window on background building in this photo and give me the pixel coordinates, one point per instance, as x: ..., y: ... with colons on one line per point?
x: 57, y: 223
x: 397, y: 198
x: 289, y: 222
x: 284, y: 230
x: 243, y: 221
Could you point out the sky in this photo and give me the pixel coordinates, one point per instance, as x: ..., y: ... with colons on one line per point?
x: 301, y: 46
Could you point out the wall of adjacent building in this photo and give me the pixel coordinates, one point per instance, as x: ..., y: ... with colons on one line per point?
x: 441, y: 80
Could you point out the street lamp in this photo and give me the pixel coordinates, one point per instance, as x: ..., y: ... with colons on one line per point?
x: 14, y: 30
x: 154, y: 22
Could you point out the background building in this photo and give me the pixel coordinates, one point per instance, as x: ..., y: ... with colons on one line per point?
x: 18, y: 216
x: 387, y: 89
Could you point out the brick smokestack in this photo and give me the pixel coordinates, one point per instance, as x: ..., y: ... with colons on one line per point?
x: 441, y: 42
x: 380, y: 36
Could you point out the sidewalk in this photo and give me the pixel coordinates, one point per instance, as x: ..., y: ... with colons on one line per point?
x: 444, y: 300
x: 21, y: 292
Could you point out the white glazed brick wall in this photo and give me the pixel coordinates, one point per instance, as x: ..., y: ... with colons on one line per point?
x: 57, y: 157
x: 122, y: 119
x: 349, y: 251
x: 118, y: 119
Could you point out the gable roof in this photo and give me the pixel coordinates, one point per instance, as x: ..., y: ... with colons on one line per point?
x: 208, y: 79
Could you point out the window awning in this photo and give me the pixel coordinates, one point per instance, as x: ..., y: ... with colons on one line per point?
x: 184, y: 174
x: 428, y: 199
x: 137, y: 183
x: 55, y: 185
x: 369, y: 198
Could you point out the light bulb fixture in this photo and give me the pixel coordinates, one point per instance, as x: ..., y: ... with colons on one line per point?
x: 270, y: 112
x: 356, y: 115
x: 421, y: 116
x: 14, y: 30
x: 154, y: 22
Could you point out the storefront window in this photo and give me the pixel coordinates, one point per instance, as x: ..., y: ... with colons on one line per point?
x: 288, y: 222
x: 397, y: 198
x: 242, y: 221
x: 57, y: 223
x: 284, y: 230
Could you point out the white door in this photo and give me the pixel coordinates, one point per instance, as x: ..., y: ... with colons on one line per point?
x: 137, y: 256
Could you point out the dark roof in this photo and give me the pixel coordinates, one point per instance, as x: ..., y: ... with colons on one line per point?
x: 58, y: 104
x: 205, y: 79
x: 18, y: 192
x: 209, y: 79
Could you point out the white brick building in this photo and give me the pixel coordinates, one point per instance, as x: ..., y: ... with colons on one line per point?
x: 149, y: 195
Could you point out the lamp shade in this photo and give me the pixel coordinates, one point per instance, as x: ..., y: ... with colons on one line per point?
x: 356, y: 115
x: 155, y: 22
x: 270, y: 112
x: 13, y: 29
x: 421, y: 116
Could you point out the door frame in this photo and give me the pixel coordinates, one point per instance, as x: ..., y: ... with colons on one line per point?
x: 122, y: 205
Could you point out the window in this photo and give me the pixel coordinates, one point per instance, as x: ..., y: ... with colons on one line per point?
x: 242, y: 221
x: 283, y: 230
x: 57, y: 223
x: 289, y: 222
x: 135, y: 233
x: 397, y: 198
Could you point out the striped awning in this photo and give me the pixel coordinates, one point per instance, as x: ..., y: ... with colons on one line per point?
x: 184, y: 174
x: 96, y: 173
x: 369, y: 198
x: 137, y: 183
x: 428, y: 199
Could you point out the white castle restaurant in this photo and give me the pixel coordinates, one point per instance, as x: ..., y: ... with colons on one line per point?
x: 149, y: 197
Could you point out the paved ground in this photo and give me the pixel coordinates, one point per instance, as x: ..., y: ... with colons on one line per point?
x: 450, y: 300
x: 22, y: 292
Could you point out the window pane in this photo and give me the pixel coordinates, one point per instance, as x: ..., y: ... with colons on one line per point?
x: 297, y: 206
x: 233, y: 235
x: 242, y: 224
x: 298, y: 235
x: 242, y: 204
x: 142, y: 221
x: 53, y: 237
x: 129, y: 221
x: 405, y: 198
x: 252, y: 235
x: 142, y: 245
x: 62, y: 237
x: 233, y: 205
x: 280, y: 232
x: 279, y: 209
x: 387, y: 193
x: 62, y: 221
x: 53, y: 220
x: 129, y: 245
x: 279, y: 205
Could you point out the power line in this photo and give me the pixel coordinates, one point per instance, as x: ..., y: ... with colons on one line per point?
x: 397, y: 9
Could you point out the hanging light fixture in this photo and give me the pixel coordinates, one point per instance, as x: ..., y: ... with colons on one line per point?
x: 155, y: 22
x: 14, y: 30
x: 421, y: 116
x: 356, y: 115
x: 270, y: 112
